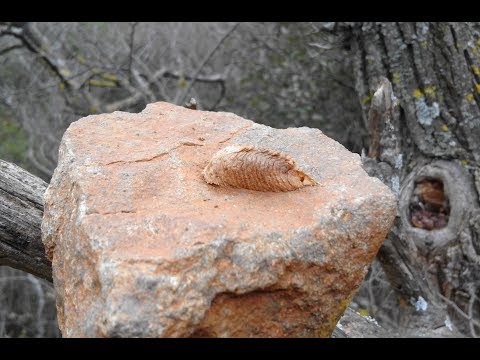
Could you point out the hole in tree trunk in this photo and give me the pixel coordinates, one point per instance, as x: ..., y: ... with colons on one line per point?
x: 429, y: 206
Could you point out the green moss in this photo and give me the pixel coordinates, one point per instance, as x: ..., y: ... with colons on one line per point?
x: 276, y: 59
x: 100, y: 83
x: 363, y: 312
x: 255, y: 102
x: 475, y: 69
x: 417, y: 93
x: 430, y: 91
x: 395, y: 78
x: 367, y: 99
x: 81, y: 59
x: 327, y: 328
x: 13, y: 142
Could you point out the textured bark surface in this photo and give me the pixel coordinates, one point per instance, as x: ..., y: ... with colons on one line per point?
x: 354, y: 325
x: 429, y: 130
x: 21, y: 210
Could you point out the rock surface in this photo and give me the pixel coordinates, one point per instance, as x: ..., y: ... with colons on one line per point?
x: 142, y: 246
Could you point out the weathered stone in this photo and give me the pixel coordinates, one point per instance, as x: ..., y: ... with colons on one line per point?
x: 142, y: 246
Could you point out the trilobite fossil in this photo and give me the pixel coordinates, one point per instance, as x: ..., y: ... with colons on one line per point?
x: 249, y: 167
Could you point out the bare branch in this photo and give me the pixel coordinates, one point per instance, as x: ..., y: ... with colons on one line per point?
x: 215, y: 78
x: 31, y: 44
x: 21, y: 211
x: 205, y: 61
x: 126, y: 102
x: 10, y: 48
x: 130, y: 58
x: 459, y: 311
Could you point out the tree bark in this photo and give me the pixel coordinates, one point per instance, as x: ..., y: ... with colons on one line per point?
x: 21, y: 211
x: 425, y: 144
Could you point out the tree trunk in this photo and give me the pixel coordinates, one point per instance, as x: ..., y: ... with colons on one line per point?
x: 425, y: 144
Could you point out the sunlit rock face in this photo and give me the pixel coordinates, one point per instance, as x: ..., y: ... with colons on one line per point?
x: 143, y: 246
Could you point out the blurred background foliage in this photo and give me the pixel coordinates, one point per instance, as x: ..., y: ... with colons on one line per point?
x: 13, y: 140
x: 27, y: 304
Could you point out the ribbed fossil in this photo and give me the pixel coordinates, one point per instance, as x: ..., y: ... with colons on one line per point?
x: 253, y: 168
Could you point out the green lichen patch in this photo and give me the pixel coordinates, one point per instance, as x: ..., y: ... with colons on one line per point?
x: 395, y: 78
x: 363, y: 312
x: 417, y: 93
x: 102, y: 83
x: 476, y: 70
x: 367, y: 99
x: 430, y: 91
x: 426, y: 113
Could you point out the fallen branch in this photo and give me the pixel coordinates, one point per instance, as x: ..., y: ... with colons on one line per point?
x: 21, y: 211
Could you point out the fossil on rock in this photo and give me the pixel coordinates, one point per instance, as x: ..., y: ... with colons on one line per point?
x: 249, y: 167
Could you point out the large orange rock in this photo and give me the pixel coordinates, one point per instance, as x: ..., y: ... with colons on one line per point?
x: 142, y: 246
